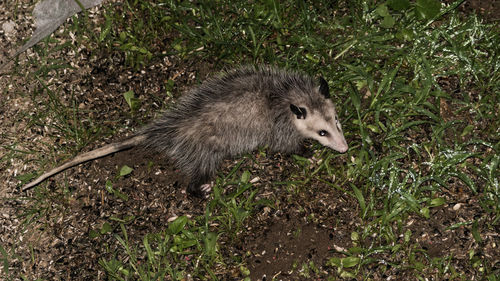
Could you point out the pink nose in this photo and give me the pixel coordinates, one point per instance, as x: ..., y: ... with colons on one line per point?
x: 341, y: 146
x: 342, y: 149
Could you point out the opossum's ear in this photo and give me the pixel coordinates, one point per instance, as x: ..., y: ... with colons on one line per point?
x: 323, y: 88
x: 300, y: 112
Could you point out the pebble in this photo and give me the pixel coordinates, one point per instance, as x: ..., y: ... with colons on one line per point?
x: 9, y: 27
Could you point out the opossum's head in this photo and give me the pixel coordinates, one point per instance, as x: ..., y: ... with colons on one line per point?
x: 319, y: 120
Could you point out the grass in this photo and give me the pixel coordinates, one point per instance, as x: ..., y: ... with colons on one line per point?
x: 417, y: 87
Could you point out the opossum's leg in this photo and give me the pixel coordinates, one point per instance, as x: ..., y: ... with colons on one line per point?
x: 304, y: 151
x: 206, y: 188
x: 203, y: 173
x: 195, y: 184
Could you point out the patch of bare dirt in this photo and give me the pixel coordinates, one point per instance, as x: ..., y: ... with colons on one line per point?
x: 296, y: 243
x: 154, y: 193
x: 489, y: 10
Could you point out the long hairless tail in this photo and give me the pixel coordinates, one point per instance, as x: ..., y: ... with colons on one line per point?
x: 91, y: 155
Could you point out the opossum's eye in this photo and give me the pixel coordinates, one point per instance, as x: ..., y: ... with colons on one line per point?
x: 323, y: 133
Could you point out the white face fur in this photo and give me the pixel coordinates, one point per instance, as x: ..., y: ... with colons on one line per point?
x: 326, y: 129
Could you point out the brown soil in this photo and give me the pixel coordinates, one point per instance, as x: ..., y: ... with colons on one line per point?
x: 489, y: 10
x: 277, y: 242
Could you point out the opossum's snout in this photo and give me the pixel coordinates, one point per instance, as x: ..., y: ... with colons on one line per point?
x: 324, y: 126
x: 338, y: 141
x: 340, y: 145
x: 333, y: 138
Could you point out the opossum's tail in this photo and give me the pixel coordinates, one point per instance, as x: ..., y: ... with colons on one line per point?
x: 91, y: 155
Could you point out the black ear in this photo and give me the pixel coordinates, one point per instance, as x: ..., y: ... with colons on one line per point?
x: 300, y: 112
x: 323, y: 88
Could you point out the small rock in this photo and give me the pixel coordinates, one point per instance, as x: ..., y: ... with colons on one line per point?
x: 254, y: 180
x: 9, y: 27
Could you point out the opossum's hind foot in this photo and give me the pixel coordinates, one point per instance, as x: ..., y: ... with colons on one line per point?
x: 197, y: 189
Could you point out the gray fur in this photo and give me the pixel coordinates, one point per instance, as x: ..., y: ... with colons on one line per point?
x: 235, y: 113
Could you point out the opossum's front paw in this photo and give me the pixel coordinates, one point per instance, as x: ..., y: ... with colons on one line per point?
x: 206, y: 188
x: 305, y: 151
x: 200, y: 191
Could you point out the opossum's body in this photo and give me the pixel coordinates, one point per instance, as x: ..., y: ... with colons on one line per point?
x: 233, y: 114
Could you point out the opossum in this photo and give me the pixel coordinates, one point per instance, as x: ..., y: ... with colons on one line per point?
x: 231, y: 114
